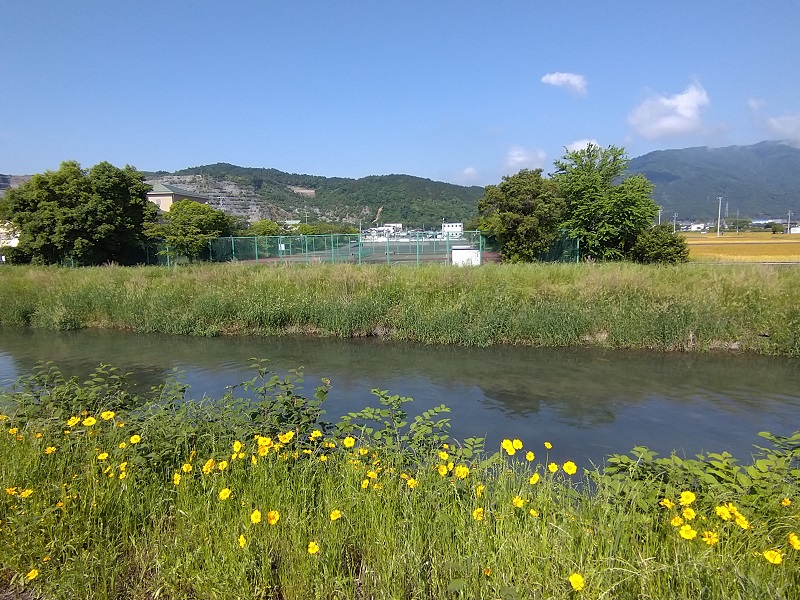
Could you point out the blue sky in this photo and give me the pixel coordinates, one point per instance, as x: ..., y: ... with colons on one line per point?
x: 454, y: 90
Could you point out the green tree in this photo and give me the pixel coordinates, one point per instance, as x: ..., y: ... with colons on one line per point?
x: 660, y: 245
x: 522, y: 213
x: 264, y: 227
x: 605, y: 209
x: 90, y: 217
x: 188, y: 227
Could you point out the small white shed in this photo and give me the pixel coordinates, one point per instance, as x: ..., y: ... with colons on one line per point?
x: 465, y: 256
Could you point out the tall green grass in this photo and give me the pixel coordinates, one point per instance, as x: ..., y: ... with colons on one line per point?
x: 686, y: 307
x: 105, y: 495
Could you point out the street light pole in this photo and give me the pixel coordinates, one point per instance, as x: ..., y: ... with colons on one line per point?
x: 719, y: 213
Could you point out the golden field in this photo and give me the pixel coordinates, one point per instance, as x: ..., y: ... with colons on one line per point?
x: 748, y: 246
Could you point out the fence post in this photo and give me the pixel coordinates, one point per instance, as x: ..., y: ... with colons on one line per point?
x: 280, y: 248
x: 359, y: 247
x: 305, y: 245
x: 210, y: 252
x: 417, y: 237
x: 448, y: 247
x: 233, y: 250
x: 388, y: 262
x: 255, y: 239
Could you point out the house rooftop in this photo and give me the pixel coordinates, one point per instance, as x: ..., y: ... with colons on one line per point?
x: 161, y: 188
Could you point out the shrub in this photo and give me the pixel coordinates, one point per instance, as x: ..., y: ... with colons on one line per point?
x: 660, y: 245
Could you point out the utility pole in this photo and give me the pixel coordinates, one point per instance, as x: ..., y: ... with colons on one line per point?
x: 674, y: 222
x: 789, y: 224
x: 660, y: 210
x: 719, y: 213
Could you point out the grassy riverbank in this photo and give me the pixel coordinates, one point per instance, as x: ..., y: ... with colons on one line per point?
x: 106, y: 495
x: 687, y: 307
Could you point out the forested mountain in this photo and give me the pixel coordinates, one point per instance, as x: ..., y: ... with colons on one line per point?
x: 759, y: 181
x: 269, y: 193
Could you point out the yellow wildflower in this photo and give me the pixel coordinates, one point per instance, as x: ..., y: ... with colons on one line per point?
x: 518, y: 502
x: 49, y: 449
x: 285, y: 438
x: 25, y: 493
x: 209, y: 466
x: 242, y: 541
x: 487, y: 572
x: 508, y: 446
x: 123, y: 465
x: 255, y: 517
x: 548, y: 445
x: 12, y: 430
x: 186, y: 468
x: 442, y: 470
x: 38, y: 435
x: 687, y: 498
x: 323, y: 458
x: 412, y: 483
x: 224, y: 493
x: 533, y: 513
x: 315, y: 434
x: 273, y: 516
x: 372, y: 475
x: 667, y: 503
x: 313, y: 547
x: 689, y: 513
x: 479, y: 490
x: 576, y: 581
x: 135, y: 439
x: 365, y: 484
x: 774, y: 556
x: 517, y: 444
x: 107, y: 415
x: 363, y: 451
x: 570, y: 468
x: 742, y: 522
x: 786, y: 502
x: 176, y: 478
x: 529, y: 456
x: 794, y: 541
x: 477, y: 514
x: 534, y: 479
x: 552, y: 467
x: 32, y: 574
x: 349, y: 442
x: 723, y: 513
x: 710, y: 537
x: 72, y: 421
x: 122, y: 445
x: 336, y: 514
x: 676, y: 521
x: 123, y: 475
x: 102, y: 456
x: 223, y: 464
x: 89, y: 421
x: 461, y: 471
x: 443, y: 455
x: 12, y: 491
x: 237, y: 446
x: 687, y: 533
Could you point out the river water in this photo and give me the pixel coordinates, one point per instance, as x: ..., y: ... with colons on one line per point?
x: 589, y: 403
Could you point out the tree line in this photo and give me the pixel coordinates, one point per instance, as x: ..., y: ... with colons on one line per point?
x: 588, y: 197
x: 102, y: 215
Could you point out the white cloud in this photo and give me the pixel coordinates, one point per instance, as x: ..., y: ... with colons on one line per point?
x: 754, y: 104
x: 521, y: 158
x: 662, y: 115
x: 469, y: 175
x: 581, y: 144
x: 786, y: 127
x: 572, y: 81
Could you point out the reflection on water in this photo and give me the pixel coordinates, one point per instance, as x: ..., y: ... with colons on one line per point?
x: 589, y: 403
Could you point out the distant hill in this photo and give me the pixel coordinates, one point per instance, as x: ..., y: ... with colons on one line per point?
x: 269, y: 193
x: 760, y: 181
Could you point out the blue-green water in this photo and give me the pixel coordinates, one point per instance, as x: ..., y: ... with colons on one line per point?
x: 588, y: 403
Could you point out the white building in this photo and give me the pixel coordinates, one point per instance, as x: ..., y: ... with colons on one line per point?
x: 697, y: 226
x: 452, y: 229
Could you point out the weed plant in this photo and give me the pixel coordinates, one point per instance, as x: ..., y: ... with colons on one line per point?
x: 684, y: 307
x: 106, y: 494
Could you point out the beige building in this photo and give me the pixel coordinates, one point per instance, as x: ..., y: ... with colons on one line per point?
x: 164, y: 196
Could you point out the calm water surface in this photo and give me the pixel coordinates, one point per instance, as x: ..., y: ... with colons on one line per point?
x: 588, y: 403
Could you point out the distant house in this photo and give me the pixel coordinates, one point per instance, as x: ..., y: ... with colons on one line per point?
x: 452, y: 229
x: 697, y: 226
x: 164, y: 196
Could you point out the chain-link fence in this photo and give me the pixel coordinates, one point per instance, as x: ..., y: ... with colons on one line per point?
x: 415, y: 247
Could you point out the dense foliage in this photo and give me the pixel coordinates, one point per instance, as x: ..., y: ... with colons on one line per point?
x: 86, y: 216
x: 522, y: 213
x: 188, y: 228
x: 606, y: 209
x: 660, y: 244
x: 110, y: 494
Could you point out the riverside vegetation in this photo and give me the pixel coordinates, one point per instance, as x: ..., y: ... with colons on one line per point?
x: 618, y: 305
x: 111, y: 494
